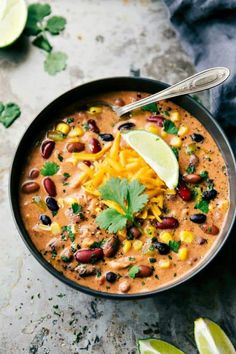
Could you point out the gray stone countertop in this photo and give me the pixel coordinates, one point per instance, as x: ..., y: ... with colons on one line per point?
x: 38, y: 314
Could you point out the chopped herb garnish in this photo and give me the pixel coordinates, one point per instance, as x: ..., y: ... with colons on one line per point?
x: 152, y: 260
x: 68, y: 229
x: 166, y: 113
x: 156, y: 276
x: 9, y: 113
x: 190, y: 169
x: 97, y: 244
x: 61, y: 295
x: 170, y: 127
x: 70, y: 120
x: 98, y: 274
x: 133, y: 271
x: 76, y: 208
x: 204, y: 175
x: 151, y: 107
x: 49, y: 169
x: 176, y: 152
x: 174, y: 245
x: 65, y: 259
x: 85, y: 126
x: 54, y: 254
x: 131, y: 259
x: 66, y: 175
x: 66, y: 183
x: 202, y: 205
x: 60, y: 157
x: 54, y: 212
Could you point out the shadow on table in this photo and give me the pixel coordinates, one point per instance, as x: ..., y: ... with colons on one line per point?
x: 17, y: 52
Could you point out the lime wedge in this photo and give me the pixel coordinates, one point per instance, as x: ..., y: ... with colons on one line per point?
x: 210, y: 338
x: 13, y: 16
x: 156, y: 346
x: 157, y: 154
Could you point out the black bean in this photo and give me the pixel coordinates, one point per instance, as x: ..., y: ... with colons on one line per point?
x: 198, y: 218
x: 209, y: 195
x: 111, y: 277
x: 106, y: 137
x: 162, y: 248
x: 45, y: 219
x: 52, y: 204
x: 197, y: 137
x: 128, y: 125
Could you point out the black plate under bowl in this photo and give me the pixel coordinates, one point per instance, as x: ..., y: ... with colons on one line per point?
x: 71, y: 99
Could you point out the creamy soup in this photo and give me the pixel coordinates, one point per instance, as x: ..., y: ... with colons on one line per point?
x: 80, y: 178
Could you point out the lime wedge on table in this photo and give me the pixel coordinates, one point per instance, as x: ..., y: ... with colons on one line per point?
x: 157, y: 154
x: 13, y: 16
x: 211, y: 339
x: 156, y: 346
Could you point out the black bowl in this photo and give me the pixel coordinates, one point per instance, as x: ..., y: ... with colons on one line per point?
x: 70, y: 100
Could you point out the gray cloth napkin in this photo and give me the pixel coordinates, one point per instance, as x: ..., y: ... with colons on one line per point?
x: 207, y: 30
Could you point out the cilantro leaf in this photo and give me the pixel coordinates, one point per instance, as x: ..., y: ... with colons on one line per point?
x: 151, y: 107
x: 9, y: 113
x: 36, y: 13
x: 49, y: 169
x: 202, y: 205
x: 133, y: 271
x: 136, y: 200
x: 204, y: 175
x: 42, y: 42
x: 56, y: 24
x: 111, y: 220
x: 176, y: 152
x: 190, y: 169
x: 174, y: 245
x: 170, y: 127
x: 55, y: 62
x: 116, y: 190
x: 76, y: 208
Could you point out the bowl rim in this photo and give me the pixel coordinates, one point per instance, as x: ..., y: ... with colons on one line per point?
x: 59, y: 275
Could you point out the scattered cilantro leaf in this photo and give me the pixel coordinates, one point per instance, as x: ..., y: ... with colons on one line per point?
x: 85, y: 126
x: 76, y: 208
x: 54, y: 212
x: 70, y: 120
x: 55, y: 24
x: 97, y: 244
x: 133, y: 271
x: 55, y: 62
x: 42, y: 42
x: 9, y: 113
x: 60, y: 157
x: 190, y: 169
x: 68, y: 229
x: 204, y: 175
x: 202, y: 205
x: 151, y: 107
x: 66, y: 175
x: 111, y: 220
x: 65, y: 259
x: 170, y: 127
x: 166, y: 113
x: 174, y: 245
x: 49, y: 169
x: 36, y: 13
x: 176, y: 152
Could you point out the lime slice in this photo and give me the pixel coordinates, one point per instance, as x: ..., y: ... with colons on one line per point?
x: 13, y: 16
x: 157, y: 153
x: 210, y: 338
x: 156, y: 346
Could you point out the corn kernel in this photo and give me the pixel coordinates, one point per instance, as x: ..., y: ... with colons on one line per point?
x: 166, y: 237
x: 137, y: 245
x: 153, y: 129
x: 176, y: 142
x: 164, y: 263
x: 126, y: 246
x: 55, y: 228
x: 122, y: 233
x: 63, y: 128
x: 150, y: 231
x: 73, y: 140
x: 163, y: 133
x: 87, y: 242
x: 77, y: 131
x: 175, y: 116
x: 183, y: 254
x: 183, y: 130
x: 186, y: 236
x: 94, y: 110
x: 98, y: 210
x: 224, y: 205
x: 60, y: 202
x: 44, y: 227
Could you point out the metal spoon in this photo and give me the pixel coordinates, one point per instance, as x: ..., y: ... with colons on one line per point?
x: 206, y: 79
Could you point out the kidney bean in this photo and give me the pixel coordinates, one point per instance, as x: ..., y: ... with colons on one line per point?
x: 49, y: 186
x: 52, y: 204
x: 111, y: 277
x: 106, y: 137
x: 162, y: 248
x: 198, y: 218
x: 197, y: 137
x: 75, y: 147
x: 119, y: 102
x: 168, y: 222
x: 85, y: 270
x: 87, y: 163
x: 89, y: 255
x: 193, y: 160
x: 93, y: 126
x: 94, y: 146
x: 159, y: 120
x: 209, y: 195
x: 45, y: 219
x: 183, y: 191
x: 135, y: 232
x: 126, y: 126
x: 144, y: 271
x: 47, y: 148
x: 111, y: 246
x: 210, y: 229
x: 192, y: 178
x: 34, y: 173
x: 30, y: 187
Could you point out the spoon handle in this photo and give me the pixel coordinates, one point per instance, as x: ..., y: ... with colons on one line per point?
x: 204, y: 80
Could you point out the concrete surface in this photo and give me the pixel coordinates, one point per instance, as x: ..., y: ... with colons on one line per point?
x: 38, y: 314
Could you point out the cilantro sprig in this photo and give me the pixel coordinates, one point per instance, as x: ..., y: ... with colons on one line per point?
x: 170, y: 127
x: 9, y: 112
x: 49, y: 168
x: 129, y: 197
